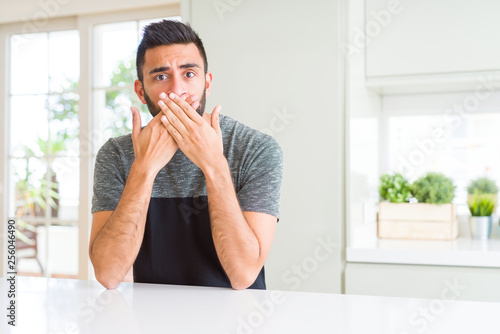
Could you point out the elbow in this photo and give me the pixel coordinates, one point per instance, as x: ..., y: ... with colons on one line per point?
x: 105, y: 277
x: 243, y: 280
x: 106, y: 281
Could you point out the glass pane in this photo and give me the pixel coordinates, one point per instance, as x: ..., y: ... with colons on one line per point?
x: 30, y: 250
x: 364, y: 177
x: 63, y: 251
x: 112, y: 114
x: 28, y: 196
x: 56, y: 251
x: 28, y: 125
x: 29, y: 64
x: 66, y: 180
x: 64, y: 60
x: 64, y: 125
x: 114, y: 57
x: 464, y: 151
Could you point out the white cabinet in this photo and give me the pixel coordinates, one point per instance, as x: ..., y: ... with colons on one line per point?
x: 419, y: 38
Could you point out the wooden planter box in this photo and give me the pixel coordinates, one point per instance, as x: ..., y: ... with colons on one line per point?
x: 417, y: 221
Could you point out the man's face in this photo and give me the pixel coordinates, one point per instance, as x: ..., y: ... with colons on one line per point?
x: 176, y: 68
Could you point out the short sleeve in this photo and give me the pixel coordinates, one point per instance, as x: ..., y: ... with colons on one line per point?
x: 260, y: 188
x: 109, y: 178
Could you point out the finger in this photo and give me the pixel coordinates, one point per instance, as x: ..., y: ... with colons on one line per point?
x: 171, y: 129
x: 172, y: 118
x: 195, y: 105
x: 191, y: 99
x: 166, y: 104
x: 177, y: 105
x: 216, y: 119
x: 136, y: 122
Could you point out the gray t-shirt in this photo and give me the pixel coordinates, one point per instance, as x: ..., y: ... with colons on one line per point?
x: 178, y: 247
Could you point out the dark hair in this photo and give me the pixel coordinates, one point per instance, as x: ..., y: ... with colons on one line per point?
x: 167, y: 32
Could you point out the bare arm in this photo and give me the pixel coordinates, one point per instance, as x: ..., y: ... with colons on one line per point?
x: 116, y: 237
x: 242, y: 239
x: 114, y: 248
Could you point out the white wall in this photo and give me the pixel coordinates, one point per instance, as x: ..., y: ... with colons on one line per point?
x: 268, y: 57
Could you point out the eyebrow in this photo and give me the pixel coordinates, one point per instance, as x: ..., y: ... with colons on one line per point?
x: 166, y: 68
x: 189, y: 65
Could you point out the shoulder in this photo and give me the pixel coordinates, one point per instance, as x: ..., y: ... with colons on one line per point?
x: 116, y: 152
x: 119, y: 145
x: 235, y: 132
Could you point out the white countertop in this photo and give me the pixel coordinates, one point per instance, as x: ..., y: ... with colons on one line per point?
x: 73, y: 306
x: 463, y: 251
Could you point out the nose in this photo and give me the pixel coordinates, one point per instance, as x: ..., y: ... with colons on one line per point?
x: 177, y: 85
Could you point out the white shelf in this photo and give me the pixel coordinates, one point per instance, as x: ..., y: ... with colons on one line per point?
x: 460, y: 252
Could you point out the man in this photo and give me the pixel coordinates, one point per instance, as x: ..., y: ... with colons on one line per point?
x: 191, y: 198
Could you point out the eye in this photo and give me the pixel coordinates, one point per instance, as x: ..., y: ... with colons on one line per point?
x: 161, y: 77
x: 190, y: 74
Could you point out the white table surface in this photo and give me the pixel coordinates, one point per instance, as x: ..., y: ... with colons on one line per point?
x: 74, y: 306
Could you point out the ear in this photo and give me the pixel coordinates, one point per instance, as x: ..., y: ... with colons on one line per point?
x: 208, y: 82
x: 139, y: 90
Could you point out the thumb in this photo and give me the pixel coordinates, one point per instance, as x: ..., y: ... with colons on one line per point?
x: 136, y: 122
x: 215, y: 119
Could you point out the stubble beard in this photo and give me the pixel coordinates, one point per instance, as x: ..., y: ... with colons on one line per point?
x: 154, y: 108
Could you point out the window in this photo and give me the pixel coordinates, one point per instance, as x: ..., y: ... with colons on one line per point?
x: 54, y: 115
x: 43, y: 154
x: 462, y: 148
x: 419, y: 133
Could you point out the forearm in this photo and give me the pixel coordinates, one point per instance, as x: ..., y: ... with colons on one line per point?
x: 116, y: 247
x: 236, y: 244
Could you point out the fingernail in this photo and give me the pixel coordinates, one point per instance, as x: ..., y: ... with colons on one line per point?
x: 161, y: 103
x: 172, y: 96
x: 163, y: 95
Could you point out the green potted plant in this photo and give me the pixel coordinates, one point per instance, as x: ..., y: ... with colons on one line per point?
x: 434, y: 217
x: 481, y: 208
x: 483, y: 185
x: 434, y: 188
x: 394, y: 188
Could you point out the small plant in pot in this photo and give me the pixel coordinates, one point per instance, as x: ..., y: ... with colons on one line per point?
x: 394, y: 188
x: 481, y: 208
x: 434, y: 188
x: 483, y: 185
